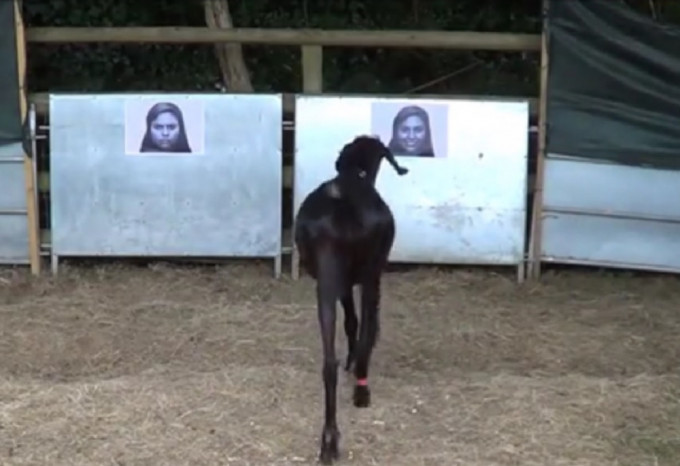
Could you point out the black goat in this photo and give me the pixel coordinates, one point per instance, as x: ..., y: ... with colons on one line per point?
x: 344, y: 232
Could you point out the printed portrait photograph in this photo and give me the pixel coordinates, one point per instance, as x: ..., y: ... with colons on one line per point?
x: 411, y: 128
x: 162, y: 127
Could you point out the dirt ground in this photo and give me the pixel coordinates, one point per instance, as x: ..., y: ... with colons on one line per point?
x: 173, y: 365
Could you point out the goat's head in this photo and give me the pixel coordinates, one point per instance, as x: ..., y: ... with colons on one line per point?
x: 363, y: 156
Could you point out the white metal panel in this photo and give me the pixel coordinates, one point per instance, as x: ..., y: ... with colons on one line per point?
x: 600, y: 213
x: 222, y: 200
x: 466, y: 205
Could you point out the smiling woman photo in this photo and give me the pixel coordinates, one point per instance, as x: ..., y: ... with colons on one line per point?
x: 411, y: 133
x: 165, y: 130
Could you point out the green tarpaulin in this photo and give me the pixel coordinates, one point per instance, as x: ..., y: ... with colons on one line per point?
x: 613, y: 85
x: 10, y: 112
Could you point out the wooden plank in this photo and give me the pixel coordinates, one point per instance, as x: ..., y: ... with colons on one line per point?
x: 288, y: 176
x: 43, y: 182
x: 46, y: 237
x: 459, y: 40
x: 312, y: 69
x: 288, y: 102
x: 312, y: 83
x: 535, y: 243
x: 29, y: 174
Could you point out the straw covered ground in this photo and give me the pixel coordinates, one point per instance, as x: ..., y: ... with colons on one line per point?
x: 173, y: 365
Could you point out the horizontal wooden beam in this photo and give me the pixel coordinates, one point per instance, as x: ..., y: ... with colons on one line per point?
x: 459, y: 40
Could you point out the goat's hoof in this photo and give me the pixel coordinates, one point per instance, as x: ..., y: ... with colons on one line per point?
x: 329, y: 446
x: 362, y: 396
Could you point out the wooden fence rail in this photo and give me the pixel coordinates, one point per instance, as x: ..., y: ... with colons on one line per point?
x: 311, y: 42
x: 460, y: 40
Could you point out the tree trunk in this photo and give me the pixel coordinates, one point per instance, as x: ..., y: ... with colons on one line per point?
x: 230, y: 56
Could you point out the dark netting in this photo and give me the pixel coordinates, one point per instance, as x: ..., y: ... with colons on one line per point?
x: 614, y: 84
x: 10, y: 111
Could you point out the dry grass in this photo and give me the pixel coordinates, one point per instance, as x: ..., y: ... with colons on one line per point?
x: 177, y: 366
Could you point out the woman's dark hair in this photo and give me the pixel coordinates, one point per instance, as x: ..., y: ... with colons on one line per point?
x: 182, y: 144
x: 406, y: 112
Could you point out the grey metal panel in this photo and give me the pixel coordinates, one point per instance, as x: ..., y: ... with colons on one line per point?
x: 467, y: 207
x: 12, y: 185
x: 11, y: 151
x: 13, y: 239
x: 610, y: 215
x: 225, y: 201
x: 616, y: 242
x: 13, y: 218
x: 606, y: 187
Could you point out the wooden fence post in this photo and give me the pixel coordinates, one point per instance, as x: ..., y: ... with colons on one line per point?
x: 535, y: 244
x: 312, y: 83
x: 29, y: 173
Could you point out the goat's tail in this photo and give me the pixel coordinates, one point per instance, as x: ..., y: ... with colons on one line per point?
x: 392, y: 161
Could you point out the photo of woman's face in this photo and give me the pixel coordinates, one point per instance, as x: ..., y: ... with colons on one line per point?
x: 412, y: 133
x: 165, y: 130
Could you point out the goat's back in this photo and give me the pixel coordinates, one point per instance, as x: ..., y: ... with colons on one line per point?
x: 356, y: 227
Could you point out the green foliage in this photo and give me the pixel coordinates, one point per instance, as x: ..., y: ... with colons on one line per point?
x: 103, y: 68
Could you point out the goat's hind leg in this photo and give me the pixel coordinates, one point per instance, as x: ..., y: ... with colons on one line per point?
x: 326, y: 300
x: 351, y: 327
x: 370, y: 304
